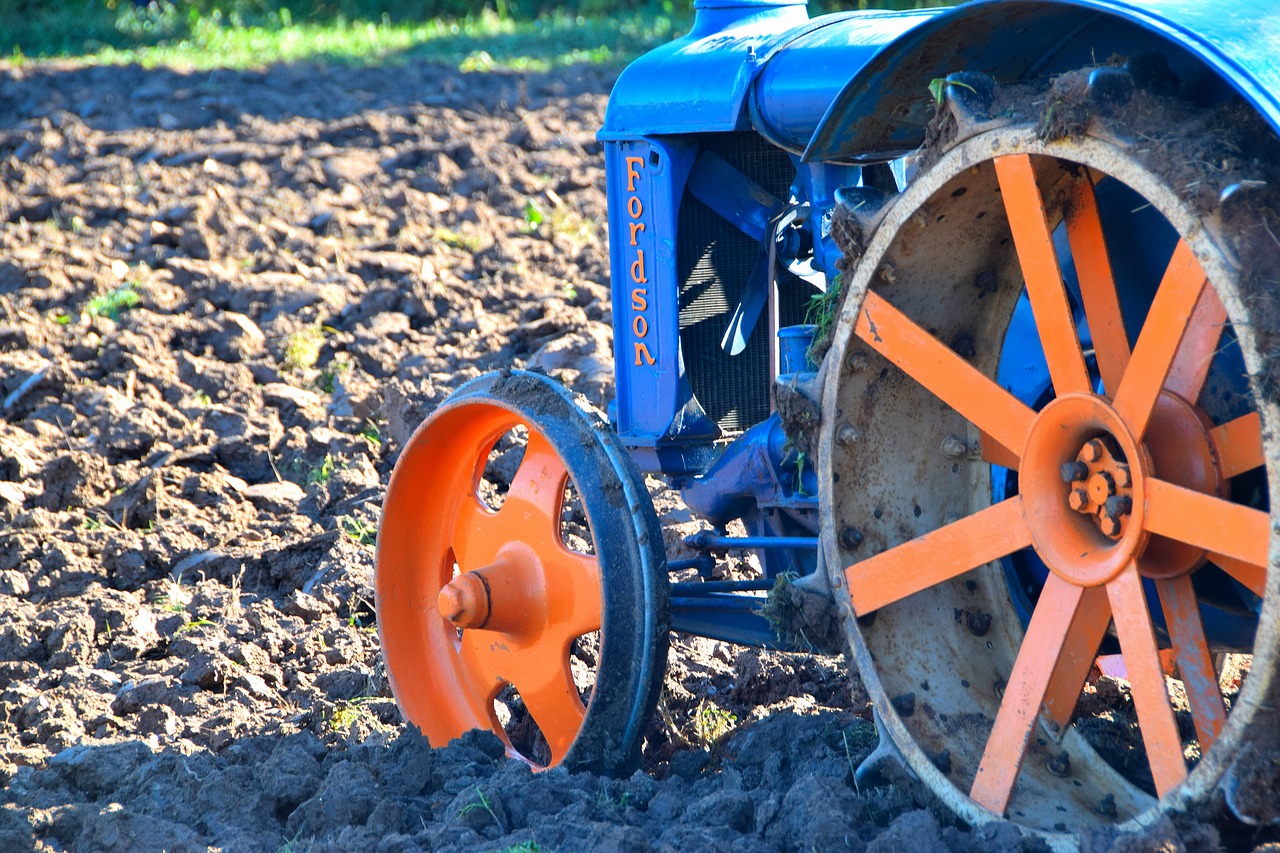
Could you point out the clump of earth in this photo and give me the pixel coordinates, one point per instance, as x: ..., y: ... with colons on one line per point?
x: 226, y: 300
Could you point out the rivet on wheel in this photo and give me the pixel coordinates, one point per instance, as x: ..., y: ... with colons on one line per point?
x: 847, y: 434
x: 905, y: 704
x: 1061, y: 765
x: 857, y: 361
x: 1107, y: 808
x: 978, y: 623
x: 942, y: 761
x: 998, y: 687
x: 850, y: 538
x: 953, y: 447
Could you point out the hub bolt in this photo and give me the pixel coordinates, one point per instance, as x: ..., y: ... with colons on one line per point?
x: 1072, y: 471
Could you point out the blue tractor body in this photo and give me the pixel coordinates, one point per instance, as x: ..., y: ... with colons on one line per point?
x: 725, y: 152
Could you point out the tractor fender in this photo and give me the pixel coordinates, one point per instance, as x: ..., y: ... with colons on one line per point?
x: 701, y: 82
x: 1216, y: 49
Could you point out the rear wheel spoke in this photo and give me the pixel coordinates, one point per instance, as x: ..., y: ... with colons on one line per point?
x: 1253, y: 577
x: 1238, y: 444
x: 1079, y: 653
x: 1162, y: 334
x: 1028, y: 683
x: 1146, y: 680
x: 950, y: 378
x: 940, y: 555
x: 1033, y: 239
x: 1199, y: 345
x: 1199, y: 679
x: 1208, y: 522
x: 1097, y: 285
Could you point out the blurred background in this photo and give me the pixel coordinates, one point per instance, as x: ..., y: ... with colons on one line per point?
x: 512, y: 34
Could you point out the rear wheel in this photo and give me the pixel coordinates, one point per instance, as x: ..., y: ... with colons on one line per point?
x: 521, y: 578
x: 1120, y: 505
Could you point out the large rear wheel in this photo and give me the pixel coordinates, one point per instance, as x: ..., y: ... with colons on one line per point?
x: 521, y: 578
x: 1102, y: 361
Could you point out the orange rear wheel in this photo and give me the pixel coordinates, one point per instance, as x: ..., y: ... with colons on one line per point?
x: 490, y: 617
x: 1136, y: 486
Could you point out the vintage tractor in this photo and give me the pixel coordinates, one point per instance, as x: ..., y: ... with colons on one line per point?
x: 971, y: 318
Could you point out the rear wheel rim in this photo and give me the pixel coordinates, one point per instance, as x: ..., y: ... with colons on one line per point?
x: 932, y: 569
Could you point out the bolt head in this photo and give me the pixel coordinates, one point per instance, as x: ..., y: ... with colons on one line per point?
x: 1073, y: 471
x: 847, y: 434
x: 1093, y: 450
x: 850, y: 538
x: 1078, y: 500
x: 1110, y: 525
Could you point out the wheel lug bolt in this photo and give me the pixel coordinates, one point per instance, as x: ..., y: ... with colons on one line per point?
x: 1075, y: 470
x: 1110, y: 525
x: 1078, y: 500
x: 1092, y: 451
x: 1123, y: 479
x: 1119, y: 505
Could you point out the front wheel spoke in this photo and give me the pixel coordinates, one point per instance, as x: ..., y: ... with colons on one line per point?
x: 573, y: 592
x: 473, y: 529
x: 938, y: 556
x: 1038, y: 656
x: 1079, y: 653
x: 537, y: 490
x: 1097, y: 284
x: 1208, y: 522
x: 1161, y: 336
x: 1195, y: 664
x: 1146, y: 680
x: 1238, y: 444
x: 1033, y: 239
x: 1199, y: 345
x: 949, y: 377
x: 553, y: 701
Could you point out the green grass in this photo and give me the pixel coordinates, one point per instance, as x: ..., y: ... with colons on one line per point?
x: 240, y: 34
x: 480, y: 42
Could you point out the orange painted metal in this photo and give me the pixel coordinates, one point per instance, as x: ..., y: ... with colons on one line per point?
x: 1028, y: 683
x: 1146, y: 680
x: 472, y: 599
x: 1216, y: 525
x: 934, y: 365
x: 1097, y: 285
x: 938, y: 556
x: 1079, y: 652
x: 1033, y: 239
x: 1238, y: 444
x: 996, y: 453
x: 1195, y: 664
x: 1161, y: 336
x: 1254, y: 577
x: 1199, y: 345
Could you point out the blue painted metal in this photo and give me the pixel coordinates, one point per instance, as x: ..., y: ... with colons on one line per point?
x: 708, y: 541
x: 1213, y: 47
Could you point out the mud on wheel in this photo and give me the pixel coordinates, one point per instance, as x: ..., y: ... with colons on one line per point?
x: 1089, y: 334
x: 489, y: 617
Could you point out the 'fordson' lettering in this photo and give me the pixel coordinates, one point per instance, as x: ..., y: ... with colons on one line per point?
x: 638, y: 275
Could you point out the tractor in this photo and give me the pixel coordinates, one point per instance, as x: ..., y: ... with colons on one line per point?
x: 965, y: 321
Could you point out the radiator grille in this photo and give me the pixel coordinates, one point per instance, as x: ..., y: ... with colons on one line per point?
x: 714, y: 261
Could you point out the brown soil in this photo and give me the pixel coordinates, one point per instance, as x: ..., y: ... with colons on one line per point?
x: 226, y: 300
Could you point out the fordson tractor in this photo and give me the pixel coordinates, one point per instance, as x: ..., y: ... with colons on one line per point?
x: 967, y: 320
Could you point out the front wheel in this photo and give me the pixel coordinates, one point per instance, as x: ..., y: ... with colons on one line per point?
x: 520, y: 578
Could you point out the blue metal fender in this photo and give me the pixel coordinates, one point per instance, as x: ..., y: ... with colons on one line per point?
x: 1213, y: 47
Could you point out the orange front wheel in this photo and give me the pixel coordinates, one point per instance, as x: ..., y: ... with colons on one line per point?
x: 520, y: 578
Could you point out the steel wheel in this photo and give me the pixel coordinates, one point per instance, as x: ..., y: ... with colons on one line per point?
x: 474, y: 603
x: 1140, y: 483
